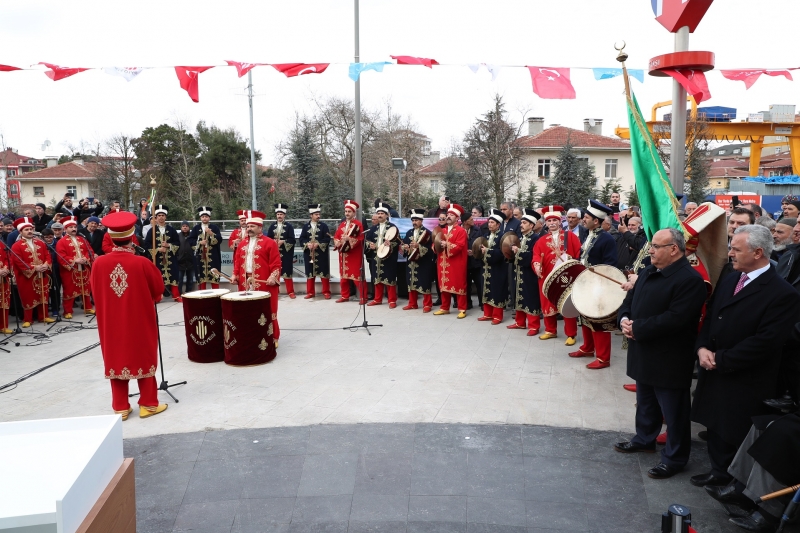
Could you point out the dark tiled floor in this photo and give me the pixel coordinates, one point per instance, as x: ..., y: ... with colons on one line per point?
x: 407, y: 478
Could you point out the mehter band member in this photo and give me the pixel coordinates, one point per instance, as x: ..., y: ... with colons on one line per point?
x: 495, y: 271
x: 32, y: 268
x: 283, y: 234
x: 166, y: 242
x: 349, y: 241
x: 385, y: 268
x: 238, y: 233
x: 107, y: 244
x: 5, y: 290
x: 315, y: 239
x: 126, y: 288
x: 451, y: 268
x: 74, y: 256
x: 206, y: 241
x: 418, y: 248
x: 528, y: 307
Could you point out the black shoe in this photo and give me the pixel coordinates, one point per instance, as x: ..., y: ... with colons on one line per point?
x: 701, y: 480
x: 629, y: 447
x: 662, y: 471
x: 734, y: 511
x: 703, y: 435
x: 785, y: 404
x: 729, y: 494
x: 756, y: 521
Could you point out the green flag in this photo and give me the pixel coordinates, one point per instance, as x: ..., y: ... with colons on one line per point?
x: 656, y: 196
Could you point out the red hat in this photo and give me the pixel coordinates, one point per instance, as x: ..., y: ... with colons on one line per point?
x: 351, y: 204
x: 255, y: 217
x: 456, y: 210
x: 552, y: 211
x: 69, y: 221
x: 241, y: 214
x: 120, y: 225
x: 23, y: 222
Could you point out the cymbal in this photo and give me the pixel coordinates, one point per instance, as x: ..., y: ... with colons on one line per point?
x: 438, y: 246
x: 508, y: 240
x: 476, y: 248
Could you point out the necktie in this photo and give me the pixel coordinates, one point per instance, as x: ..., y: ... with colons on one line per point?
x: 740, y: 285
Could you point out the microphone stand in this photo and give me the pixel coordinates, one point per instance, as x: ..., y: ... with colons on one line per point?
x: 18, y: 330
x: 164, y: 385
x: 364, y: 323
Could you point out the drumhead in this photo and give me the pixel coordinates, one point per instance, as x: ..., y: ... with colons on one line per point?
x: 243, y: 296
x: 390, y: 234
x: 208, y: 293
x: 595, y: 296
x: 567, y: 309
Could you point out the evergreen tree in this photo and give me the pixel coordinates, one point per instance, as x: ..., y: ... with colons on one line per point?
x: 530, y: 198
x: 572, y: 182
x: 304, y: 160
x: 475, y: 191
x: 633, y: 196
x: 453, y: 182
x: 610, y: 186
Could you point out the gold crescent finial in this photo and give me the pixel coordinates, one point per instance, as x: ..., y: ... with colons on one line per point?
x: 617, y: 46
x: 152, y: 181
x: 622, y: 56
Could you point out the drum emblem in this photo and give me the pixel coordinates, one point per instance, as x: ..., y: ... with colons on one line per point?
x: 262, y: 320
x: 227, y: 333
x: 262, y: 345
x: 201, y: 329
x: 564, y: 279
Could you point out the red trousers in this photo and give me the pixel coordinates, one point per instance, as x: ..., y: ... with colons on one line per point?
x: 202, y: 286
x: 175, y: 292
x: 274, y: 291
x: 148, y: 393
x: 390, y: 289
x: 413, y: 299
x: 28, y: 313
x: 344, y: 288
x: 447, y: 297
x: 289, y: 282
x: 570, y: 326
x: 87, y: 303
x: 326, y: 286
x: 533, y: 320
x: 598, y: 342
x: 4, y: 319
x: 495, y: 312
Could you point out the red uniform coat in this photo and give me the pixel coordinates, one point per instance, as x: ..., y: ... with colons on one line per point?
x: 546, y: 252
x: 125, y: 288
x: 266, y: 263
x: 108, y: 244
x: 451, y: 266
x: 235, y: 234
x: 74, y: 279
x: 33, y: 286
x: 5, y: 281
x: 350, y: 262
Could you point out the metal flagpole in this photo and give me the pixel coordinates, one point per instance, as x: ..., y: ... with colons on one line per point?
x: 677, y: 157
x: 357, y: 139
x: 252, y: 141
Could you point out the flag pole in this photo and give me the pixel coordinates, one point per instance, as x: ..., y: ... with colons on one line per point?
x: 153, y: 218
x: 357, y: 103
x: 252, y: 141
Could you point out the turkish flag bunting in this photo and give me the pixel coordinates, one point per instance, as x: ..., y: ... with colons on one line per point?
x: 188, y: 77
x: 244, y: 68
x: 552, y: 83
x: 694, y: 81
x: 298, y: 69
x: 8, y: 68
x: 410, y: 60
x: 749, y: 77
x: 59, y: 73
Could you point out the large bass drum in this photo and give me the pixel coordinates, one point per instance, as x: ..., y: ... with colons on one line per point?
x: 598, y: 299
x: 557, y: 287
x: 202, y: 320
x: 247, y: 328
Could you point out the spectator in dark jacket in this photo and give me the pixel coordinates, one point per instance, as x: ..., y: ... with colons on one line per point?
x: 64, y: 206
x: 185, y: 258
x: 441, y: 209
x: 631, y: 240
x: 41, y: 218
x: 85, y: 210
x: 92, y: 234
x: 474, y: 265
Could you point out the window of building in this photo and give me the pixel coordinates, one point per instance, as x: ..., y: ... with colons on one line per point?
x: 544, y: 168
x: 722, y: 152
x: 38, y: 191
x: 13, y: 189
x: 73, y: 189
x: 611, y: 168
x: 435, y: 186
x: 737, y: 151
x: 12, y: 172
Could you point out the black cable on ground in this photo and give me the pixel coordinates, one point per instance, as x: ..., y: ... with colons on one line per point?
x: 11, y: 385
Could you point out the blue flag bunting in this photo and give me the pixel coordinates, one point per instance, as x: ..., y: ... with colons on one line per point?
x: 608, y: 73
x: 357, y: 68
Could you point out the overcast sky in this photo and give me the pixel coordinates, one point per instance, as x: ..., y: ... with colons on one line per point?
x: 443, y: 102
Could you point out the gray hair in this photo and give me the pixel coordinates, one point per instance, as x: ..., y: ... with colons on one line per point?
x: 574, y: 211
x: 678, y: 239
x: 787, y: 221
x: 508, y: 203
x: 635, y: 219
x: 757, y: 237
x: 766, y: 222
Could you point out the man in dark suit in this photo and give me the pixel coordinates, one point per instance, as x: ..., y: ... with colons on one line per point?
x: 659, y: 317
x: 749, y: 318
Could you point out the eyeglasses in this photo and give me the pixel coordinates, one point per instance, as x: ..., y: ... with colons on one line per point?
x: 659, y: 246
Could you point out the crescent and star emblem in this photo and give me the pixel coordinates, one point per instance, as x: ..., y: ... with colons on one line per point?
x: 549, y: 77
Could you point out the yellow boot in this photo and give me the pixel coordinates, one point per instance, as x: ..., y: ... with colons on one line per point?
x: 442, y: 312
x: 48, y: 320
x: 6, y: 331
x: 67, y: 316
x: 90, y: 311
x: 125, y: 413
x: 462, y: 314
x: 26, y: 324
x: 145, y: 412
x: 570, y: 341
x: 547, y: 335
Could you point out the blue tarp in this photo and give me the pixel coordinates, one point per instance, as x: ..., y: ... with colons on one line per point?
x: 775, y: 180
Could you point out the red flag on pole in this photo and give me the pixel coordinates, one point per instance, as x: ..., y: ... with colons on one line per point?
x: 8, y: 68
x: 188, y: 77
x: 552, y: 83
x: 694, y: 81
x: 410, y: 60
x: 298, y: 69
x: 749, y: 77
x: 59, y: 73
x: 243, y: 68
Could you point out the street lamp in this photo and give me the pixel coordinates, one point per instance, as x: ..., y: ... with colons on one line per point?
x: 399, y: 164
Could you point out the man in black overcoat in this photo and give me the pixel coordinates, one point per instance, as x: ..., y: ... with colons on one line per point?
x: 660, y: 317
x: 749, y: 318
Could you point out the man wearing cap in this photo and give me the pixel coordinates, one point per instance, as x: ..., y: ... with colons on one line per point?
x: 550, y: 251
x: 257, y: 265
x: 599, y: 248
x: 206, y: 241
x: 5, y: 290
x: 32, y: 265
x: 238, y: 233
x: 283, y: 234
x: 418, y: 248
x: 495, y: 271
x: 41, y: 218
x: 315, y: 239
x: 126, y: 288
x: 93, y: 235
x: 349, y: 241
x: 385, y: 268
x: 75, y: 264
x: 451, y: 266
x: 162, y: 241
x: 525, y: 281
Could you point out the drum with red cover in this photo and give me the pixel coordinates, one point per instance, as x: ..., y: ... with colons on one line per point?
x: 202, y: 319
x: 247, y: 328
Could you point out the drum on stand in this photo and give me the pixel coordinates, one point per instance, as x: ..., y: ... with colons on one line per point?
x: 557, y: 287
x: 598, y: 298
x: 247, y: 328
x: 202, y: 319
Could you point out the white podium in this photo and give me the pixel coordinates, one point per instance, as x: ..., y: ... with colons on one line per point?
x: 54, y: 471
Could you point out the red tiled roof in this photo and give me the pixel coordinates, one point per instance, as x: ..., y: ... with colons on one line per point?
x: 70, y: 170
x: 11, y: 158
x: 777, y: 163
x: 727, y: 172
x: 440, y: 167
x: 556, y: 137
x: 729, y: 163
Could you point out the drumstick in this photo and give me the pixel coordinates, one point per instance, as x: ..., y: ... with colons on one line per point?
x: 591, y: 269
x: 787, y: 490
x: 220, y: 274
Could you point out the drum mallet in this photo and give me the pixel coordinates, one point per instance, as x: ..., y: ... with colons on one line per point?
x: 591, y: 269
